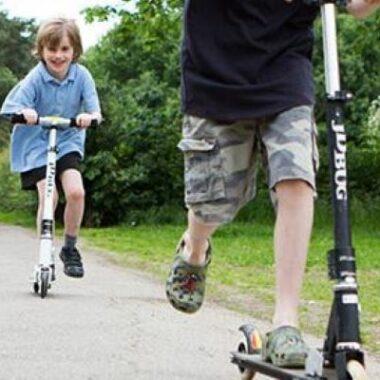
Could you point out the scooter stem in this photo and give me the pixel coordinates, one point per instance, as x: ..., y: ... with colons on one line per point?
x: 342, y: 338
x: 330, y: 48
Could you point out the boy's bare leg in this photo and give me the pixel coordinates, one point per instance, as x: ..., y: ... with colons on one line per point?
x: 72, y: 184
x: 196, y: 239
x: 291, y: 240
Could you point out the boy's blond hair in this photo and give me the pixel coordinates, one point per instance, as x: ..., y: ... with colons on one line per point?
x: 51, y: 32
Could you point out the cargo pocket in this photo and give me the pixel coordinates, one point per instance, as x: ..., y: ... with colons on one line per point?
x: 204, y: 180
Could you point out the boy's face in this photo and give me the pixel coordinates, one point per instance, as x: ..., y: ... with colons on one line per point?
x: 59, y: 58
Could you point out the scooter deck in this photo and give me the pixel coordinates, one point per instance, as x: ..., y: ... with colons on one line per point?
x: 255, y: 363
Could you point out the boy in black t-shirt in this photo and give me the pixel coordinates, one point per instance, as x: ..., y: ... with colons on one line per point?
x: 247, y: 89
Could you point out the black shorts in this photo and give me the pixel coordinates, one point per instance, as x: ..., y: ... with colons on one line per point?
x: 30, y: 178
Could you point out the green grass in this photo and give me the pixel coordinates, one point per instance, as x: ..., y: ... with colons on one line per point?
x: 18, y: 218
x: 241, y: 274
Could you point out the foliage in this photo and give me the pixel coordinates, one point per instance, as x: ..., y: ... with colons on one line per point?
x: 371, y: 131
x: 7, y: 81
x: 359, y: 52
x: 145, y: 39
x: 11, y: 198
x: 16, y: 39
x: 365, y: 159
x: 132, y: 161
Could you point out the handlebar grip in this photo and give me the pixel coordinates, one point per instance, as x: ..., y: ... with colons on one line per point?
x: 18, y: 118
x: 94, y: 123
x: 73, y: 123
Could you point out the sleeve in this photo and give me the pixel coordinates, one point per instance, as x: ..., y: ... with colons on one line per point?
x: 23, y: 95
x: 90, y: 99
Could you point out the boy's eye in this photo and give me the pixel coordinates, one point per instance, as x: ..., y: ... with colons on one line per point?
x: 54, y: 49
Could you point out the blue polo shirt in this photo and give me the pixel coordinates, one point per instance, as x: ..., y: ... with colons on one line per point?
x: 49, y: 96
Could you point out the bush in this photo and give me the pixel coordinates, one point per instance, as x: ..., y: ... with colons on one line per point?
x: 133, y: 163
x: 11, y: 196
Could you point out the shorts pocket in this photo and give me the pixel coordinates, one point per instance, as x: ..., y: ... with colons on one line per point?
x: 204, y: 179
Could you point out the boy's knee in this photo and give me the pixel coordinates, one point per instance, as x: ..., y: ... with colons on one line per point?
x: 75, y: 194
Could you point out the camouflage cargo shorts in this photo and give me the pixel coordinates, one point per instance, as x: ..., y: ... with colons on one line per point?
x: 222, y: 159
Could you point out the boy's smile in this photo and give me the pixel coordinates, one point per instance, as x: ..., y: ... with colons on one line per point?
x: 58, y: 58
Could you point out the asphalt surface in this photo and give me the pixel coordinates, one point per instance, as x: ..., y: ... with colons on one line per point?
x: 114, y: 324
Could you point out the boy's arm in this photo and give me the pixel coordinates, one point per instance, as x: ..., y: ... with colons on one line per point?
x: 91, y: 104
x: 362, y: 8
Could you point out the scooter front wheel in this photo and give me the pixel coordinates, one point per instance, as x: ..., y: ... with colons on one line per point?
x: 44, y: 283
x: 356, y: 370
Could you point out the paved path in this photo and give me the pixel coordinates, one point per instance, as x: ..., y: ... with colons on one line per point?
x: 114, y: 324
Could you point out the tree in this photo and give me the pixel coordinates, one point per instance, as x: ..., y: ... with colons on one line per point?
x: 132, y: 161
x: 16, y: 39
x: 359, y: 52
x: 146, y: 39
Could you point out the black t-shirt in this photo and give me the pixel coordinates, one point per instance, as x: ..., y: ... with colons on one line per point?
x: 244, y: 59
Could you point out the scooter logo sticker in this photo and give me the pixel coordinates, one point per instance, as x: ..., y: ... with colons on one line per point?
x: 50, y: 178
x: 340, y: 177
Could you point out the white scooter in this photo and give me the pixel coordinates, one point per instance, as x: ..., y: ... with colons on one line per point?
x: 44, y: 271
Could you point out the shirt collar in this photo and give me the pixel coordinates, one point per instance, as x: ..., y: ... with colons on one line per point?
x: 47, y: 77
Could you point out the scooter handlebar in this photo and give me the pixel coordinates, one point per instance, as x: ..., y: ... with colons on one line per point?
x: 49, y: 121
